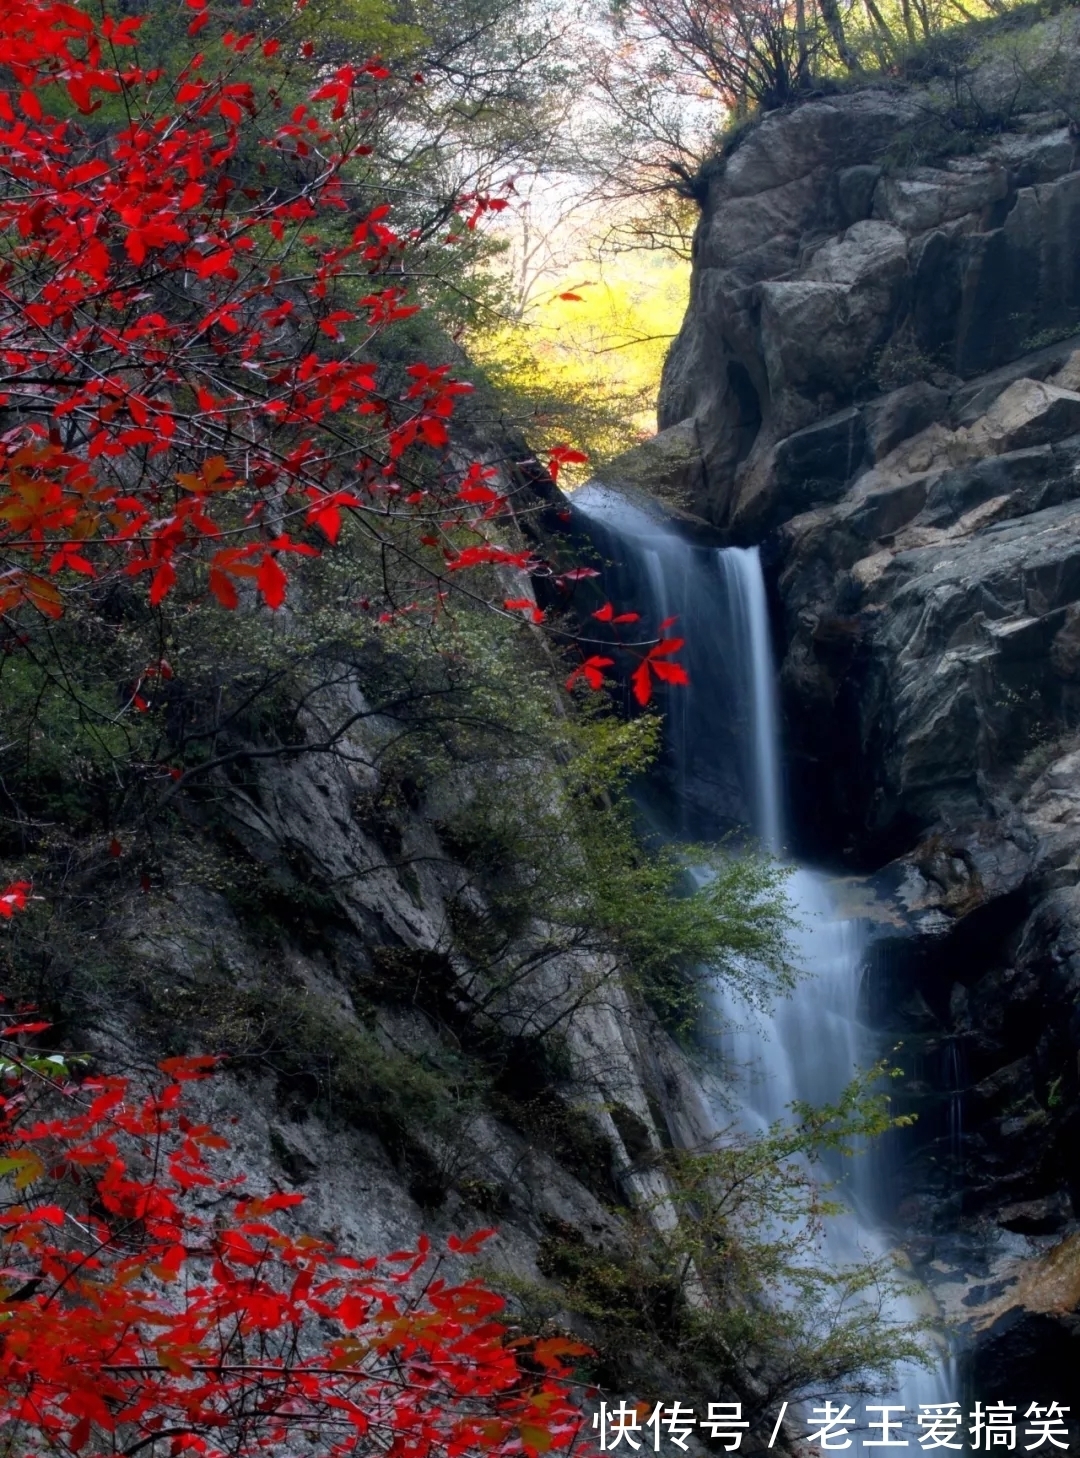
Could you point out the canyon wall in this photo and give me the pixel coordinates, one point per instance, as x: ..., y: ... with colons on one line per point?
x: 879, y: 379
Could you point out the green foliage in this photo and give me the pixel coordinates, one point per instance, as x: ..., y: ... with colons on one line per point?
x: 584, y: 369
x: 902, y: 362
x: 67, y: 736
x: 556, y: 850
x: 740, y: 1283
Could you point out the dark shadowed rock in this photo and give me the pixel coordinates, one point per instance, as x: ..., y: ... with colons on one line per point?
x: 903, y: 413
x: 1031, y: 1356
x: 855, y: 191
x: 811, y: 466
x: 1037, y: 1217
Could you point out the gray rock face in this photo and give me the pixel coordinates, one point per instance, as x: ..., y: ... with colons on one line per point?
x: 826, y: 273
x: 624, y: 1089
x: 882, y: 367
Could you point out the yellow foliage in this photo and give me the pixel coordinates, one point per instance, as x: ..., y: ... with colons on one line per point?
x: 586, y: 369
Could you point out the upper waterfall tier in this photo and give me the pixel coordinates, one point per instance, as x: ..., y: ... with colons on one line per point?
x: 722, y: 736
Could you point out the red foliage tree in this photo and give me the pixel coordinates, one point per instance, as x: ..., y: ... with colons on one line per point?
x: 165, y: 329
x: 189, y: 302
x: 187, y: 357
x: 146, y: 1303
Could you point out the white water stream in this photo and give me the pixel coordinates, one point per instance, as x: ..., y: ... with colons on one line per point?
x: 810, y: 1044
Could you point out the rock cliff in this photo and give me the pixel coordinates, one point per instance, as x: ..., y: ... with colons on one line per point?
x: 341, y: 899
x: 879, y: 378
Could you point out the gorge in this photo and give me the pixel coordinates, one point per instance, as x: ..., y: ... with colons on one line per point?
x: 380, y: 834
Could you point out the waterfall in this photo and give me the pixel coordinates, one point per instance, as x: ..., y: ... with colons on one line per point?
x: 721, y: 738
x: 724, y: 769
x: 740, y: 569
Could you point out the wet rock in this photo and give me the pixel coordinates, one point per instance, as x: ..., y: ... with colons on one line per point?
x: 1027, y: 1341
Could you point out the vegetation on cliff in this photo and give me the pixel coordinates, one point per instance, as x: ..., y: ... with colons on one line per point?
x: 265, y: 582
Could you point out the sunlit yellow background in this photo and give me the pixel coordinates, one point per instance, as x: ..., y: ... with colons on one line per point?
x: 586, y: 370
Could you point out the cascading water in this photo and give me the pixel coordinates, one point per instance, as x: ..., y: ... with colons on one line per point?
x: 725, y: 770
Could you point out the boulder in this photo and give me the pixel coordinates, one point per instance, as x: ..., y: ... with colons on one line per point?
x: 1027, y: 413
x: 926, y: 197
x: 1033, y: 1356
x: 819, y: 333
x: 812, y: 465
x: 1036, y: 1217
x: 1068, y: 376
x: 901, y: 414
x: 668, y: 467
x: 855, y: 191
x: 1027, y: 1342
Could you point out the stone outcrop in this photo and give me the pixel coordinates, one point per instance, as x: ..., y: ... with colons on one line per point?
x: 827, y: 271
x: 305, y: 932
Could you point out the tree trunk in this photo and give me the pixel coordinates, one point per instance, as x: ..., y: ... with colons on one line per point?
x: 830, y: 14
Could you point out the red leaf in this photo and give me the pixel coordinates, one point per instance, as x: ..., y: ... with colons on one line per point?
x: 163, y: 580
x: 592, y: 672
x: 562, y: 455
x: 641, y: 683
x: 188, y: 1066
x: 115, y: 848
x: 215, y: 263
x: 480, y: 556
x: 524, y: 605
x: 271, y: 582
x: 14, y: 898
x: 24, y: 1028
x: 604, y: 614
x: 223, y: 588
x: 669, y: 672
x: 50, y: 1214
x: 277, y: 1201
x: 666, y: 647
x: 572, y: 298
x: 472, y: 1243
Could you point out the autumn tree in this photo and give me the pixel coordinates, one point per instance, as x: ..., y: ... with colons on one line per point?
x: 202, y: 331
x: 149, y: 1304
x: 668, y: 86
